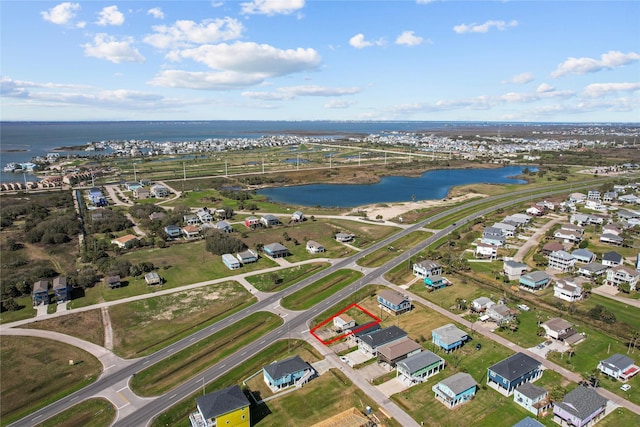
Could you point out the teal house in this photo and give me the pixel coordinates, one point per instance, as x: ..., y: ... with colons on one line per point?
x: 435, y: 282
x: 287, y: 373
x: 455, y: 390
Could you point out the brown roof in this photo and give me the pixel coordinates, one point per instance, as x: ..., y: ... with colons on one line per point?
x: 553, y: 246
x: 392, y: 296
x: 349, y: 418
x: 125, y: 239
x: 557, y: 324
x: 399, y: 349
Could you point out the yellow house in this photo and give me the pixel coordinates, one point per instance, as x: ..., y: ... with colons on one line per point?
x: 228, y: 407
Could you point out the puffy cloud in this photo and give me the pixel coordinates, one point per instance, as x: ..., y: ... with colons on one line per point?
x: 338, y: 103
x: 607, y: 61
x: 108, y: 47
x: 358, y: 41
x: 292, y: 92
x: 156, y: 12
x: 185, y: 33
x: 271, y: 7
x: 244, y: 57
x: 484, y: 28
x: 521, y: 78
x: 61, y: 14
x: 408, y: 38
x: 214, y: 80
x: 545, y: 88
x: 596, y: 90
x: 110, y: 15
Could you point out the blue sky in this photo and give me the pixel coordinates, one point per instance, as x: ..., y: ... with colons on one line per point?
x: 539, y: 61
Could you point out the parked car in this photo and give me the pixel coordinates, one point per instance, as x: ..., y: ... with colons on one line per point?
x: 523, y: 307
x: 625, y: 387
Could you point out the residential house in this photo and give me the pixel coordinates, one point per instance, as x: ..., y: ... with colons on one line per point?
x: 611, y: 239
x: 130, y: 186
x: 191, y: 219
x: 393, y: 302
x: 247, y: 256
x: 158, y: 190
x: 173, y: 231
x: 252, y: 221
x: 493, y: 236
x: 152, y: 278
x: 40, y: 292
x: 618, y: 366
x: 141, y: 193
x: 561, y: 260
x: 611, y: 259
x: 224, y: 227
x: 393, y: 353
x: 124, y: 242
x: 551, y: 247
x: 297, y: 216
x: 519, y: 218
x: 561, y: 330
x: 623, y: 274
x: 481, y: 304
x: 628, y: 198
x: 581, y: 407
x: 314, y: 247
x: 226, y: 407
x: 531, y: 397
x: 427, y: 268
x: 612, y: 229
x: 583, y: 255
x: 507, y: 229
x: 230, y: 261
x: 593, y: 195
x: 204, y: 215
x: 157, y: 216
x: 435, y: 282
x: 113, y: 281
x: 534, y: 281
x: 286, y: 373
x: 269, y: 220
x: 363, y: 330
x: 506, y: 375
x: 513, y: 269
x: 567, y: 290
x: 528, y: 422
x: 535, y: 211
x: 371, y: 342
x: 595, y: 205
x: 484, y: 250
x: 275, y: 250
x: 191, y: 232
x: 626, y: 215
x: 577, y: 197
x: 449, y: 337
x: 501, y: 314
x: 222, y: 213
x: 455, y: 390
x: 569, y: 233
x: 419, y: 367
x: 580, y: 219
x: 61, y: 289
x: 343, y: 321
x: 593, y: 269
x: 344, y: 237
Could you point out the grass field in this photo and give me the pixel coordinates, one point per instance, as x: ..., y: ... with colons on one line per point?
x: 184, y: 364
x: 141, y: 327
x: 314, y: 293
x: 96, y: 412
x: 381, y: 256
x: 86, y: 325
x: 282, y: 279
x: 35, y: 372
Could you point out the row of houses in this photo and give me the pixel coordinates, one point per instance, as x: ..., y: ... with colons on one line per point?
x: 40, y: 294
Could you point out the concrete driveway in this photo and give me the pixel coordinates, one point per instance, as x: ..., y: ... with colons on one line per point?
x: 392, y: 387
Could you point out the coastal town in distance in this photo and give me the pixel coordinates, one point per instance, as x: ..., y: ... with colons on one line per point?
x: 324, y: 274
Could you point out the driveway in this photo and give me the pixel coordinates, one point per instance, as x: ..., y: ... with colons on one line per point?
x: 391, y: 387
x: 535, y: 238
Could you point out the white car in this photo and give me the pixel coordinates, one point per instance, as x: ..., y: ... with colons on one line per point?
x: 625, y: 387
x: 523, y: 307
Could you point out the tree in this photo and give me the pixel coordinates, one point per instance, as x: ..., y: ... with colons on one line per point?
x: 624, y: 287
x: 556, y: 394
x: 540, y: 331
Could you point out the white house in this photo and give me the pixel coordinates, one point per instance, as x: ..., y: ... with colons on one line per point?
x: 623, y: 274
x: 297, y: 216
x: 619, y: 366
x: 535, y: 211
x: 611, y: 259
x: 314, y: 247
x: 513, y: 269
x: 493, y: 236
x: 343, y: 322
x: 484, y: 250
x: 507, y: 229
x: 561, y: 260
x: 427, y: 268
x: 481, y: 304
x: 567, y: 290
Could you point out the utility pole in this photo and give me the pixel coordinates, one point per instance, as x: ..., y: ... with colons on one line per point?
x: 184, y: 171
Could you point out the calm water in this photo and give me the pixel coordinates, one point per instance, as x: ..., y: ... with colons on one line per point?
x: 429, y: 186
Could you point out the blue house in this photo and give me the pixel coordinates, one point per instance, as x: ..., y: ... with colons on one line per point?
x: 507, y: 375
x: 435, y: 282
x: 230, y: 261
x: 97, y: 198
x: 173, y: 231
x: 532, y: 398
x: 534, y: 281
x: 40, y: 293
x: 286, y: 373
x: 393, y: 302
x: 455, y: 390
x: 449, y: 337
x: 61, y: 290
x: 276, y: 250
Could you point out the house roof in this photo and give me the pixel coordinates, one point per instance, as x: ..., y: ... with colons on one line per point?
x: 450, y: 333
x: 619, y: 361
x: 399, y: 348
x: 125, y: 239
x: 612, y: 256
x: 41, y: 286
x: 275, y: 247
x: 421, y: 360
x: 582, y: 253
x: 553, y: 247
x: 500, y: 309
x: 528, y: 422
x: 482, y: 301
x: 286, y: 367
x: 491, y: 231
x: 630, y: 271
x: 60, y: 282
x: 531, y: 390
x: 190, y: 229
x: 222, y: 224
x: 515, y: 366
x: 557, y: 324
x: 593, y: 267
x: 378, y: 338
x: 222, y: 402
x: 428, y: 264
x: 582, y: 402
x: 269, y: 217
x: 563, y: 284
x: 514, y: 264
x: 459, y: 382
x: 113, y: 279
x: 535, y: 276
x: 562, y: 255
x: 366, y: 329
x: 394, y: 297
x: 612, y: 237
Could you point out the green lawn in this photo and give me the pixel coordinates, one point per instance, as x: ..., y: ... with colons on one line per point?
x: 96, y: 412
x: 282, y: 279
x: 382, y: 256
x: 26, y: 312
x: 312, y: 294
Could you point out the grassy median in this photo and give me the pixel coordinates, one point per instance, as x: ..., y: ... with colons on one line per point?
x: 318, y: 291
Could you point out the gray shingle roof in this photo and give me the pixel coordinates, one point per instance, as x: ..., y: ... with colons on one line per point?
x: 394, y: 297
x: 222, y: 402
x: 383, y: 336
x: 459, y: 382
x: 619, y: 361
x: 418, y: 361
x: 286, y: 367
x: 535, y: 276
x: 513, y: 367
x: 450, y: 334
x: 531, y: 390
x: 582, y: 402
x: 528, y: 422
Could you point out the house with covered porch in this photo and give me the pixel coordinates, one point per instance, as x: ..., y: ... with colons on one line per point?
x: 506, y: 375
x: 619, y: 366
x: 226, y: 407
x: 419, y: 367
x: 287, y: 373
x: 393, y: 302
x: 449, y: 337
x: 393, y: 353
x: 276, y: 250
x: 581, y: 407
x: 455, y: 390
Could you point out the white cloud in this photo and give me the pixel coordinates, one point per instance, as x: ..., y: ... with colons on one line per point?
x: 596, y: 90
x: 186, y: 33
x: 214, y: 80
x: 358, y: 41
x: 110, y: 15
x: 338, y: 104
x: 545, y: 88
x: 156, y: 12
x: 607, y: 61
x: 292, y: 92
x: 484, y: 28
x: 61, y: 14
x: 252, y: 58
x: 521, y: 78
x: 271, y: 7
x: 408, y: 38
x: 108, y: 47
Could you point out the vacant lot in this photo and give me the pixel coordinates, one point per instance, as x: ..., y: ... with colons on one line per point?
x: 141, y: 327
x: 86, y: 325
x: 282, y: 279
x: 35, y: 372
x: 381, y: 256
